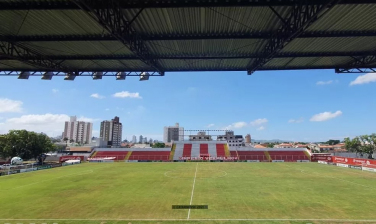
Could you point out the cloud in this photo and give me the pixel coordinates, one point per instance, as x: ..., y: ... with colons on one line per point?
x: 325, y: 116
x: 259, y: 122
x: 210, y: 125
x: 55, y: 90
x: 126, y: 94
x: 51, y: 124
x: 325, y: 82
x: 96, y: 95
x: 364, y: 79
x: 107, y: 109
x: 261, y: 128
x: 300, y: 120
x: 10, y: 106
x: 236, y: 125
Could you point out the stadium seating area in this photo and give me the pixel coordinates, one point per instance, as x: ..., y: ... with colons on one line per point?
x: 187, y: 150
x: 250, y: 155
x: 220, y: 150
x: 204, y: 149
x: 288, y: 156
x: 150, y: 155
x: 119, y: 155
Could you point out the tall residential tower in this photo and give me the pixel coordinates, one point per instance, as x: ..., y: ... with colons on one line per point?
x: 173, y: 133
x: 78, y: 131
x: 111, y: 132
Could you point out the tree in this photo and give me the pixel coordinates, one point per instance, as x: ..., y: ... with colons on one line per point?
x: 158, y: 145
x: 66, y: 141
x: 332, y: 142
x: 24, y: 144
x: 368, y: 144
x: 353, y: 145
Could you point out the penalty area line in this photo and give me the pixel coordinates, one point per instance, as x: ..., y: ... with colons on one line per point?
x: 193, y: 189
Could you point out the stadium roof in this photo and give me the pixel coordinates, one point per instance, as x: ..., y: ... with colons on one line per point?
x: 79, y: 37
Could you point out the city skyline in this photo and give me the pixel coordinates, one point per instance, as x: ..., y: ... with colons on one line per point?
x: 307, y: 105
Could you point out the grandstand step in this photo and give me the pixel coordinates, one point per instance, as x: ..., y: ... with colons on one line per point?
x: 307, y: 154
x: 267, y: 155
x: 128, y: 155
x: 172, y: 153
x: 93, y: 155
x: 227, y: 151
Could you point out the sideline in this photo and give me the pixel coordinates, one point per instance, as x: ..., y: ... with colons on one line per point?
x: 192, y: 220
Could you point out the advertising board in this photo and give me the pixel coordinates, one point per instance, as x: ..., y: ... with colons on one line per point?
x: 355, y: 167
x: 278, y: 161
x: 27, y: 170
x: 342, y: 165
x: 131, y: 161
x: 322, y: 162
x: 369, y: 169
x: 253, y: 161
x: 44, y: 167
x: 321, y: 156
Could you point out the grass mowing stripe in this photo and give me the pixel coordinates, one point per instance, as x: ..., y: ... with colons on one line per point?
x: 193, y: 189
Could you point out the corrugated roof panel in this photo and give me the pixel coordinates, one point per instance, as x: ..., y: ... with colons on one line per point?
x: 205, y: 20
x: 48, y: 22
x: 332, y: 61
x: 79, y: 48
x: 347, y: 17
x: 331, y: 44
x: 77, y: 64
x: 206, y: 47
x: 315, y: 62
x: 201, y: 64
x: 278, y: 62
x: 135, y: 64
x: 13, y: 64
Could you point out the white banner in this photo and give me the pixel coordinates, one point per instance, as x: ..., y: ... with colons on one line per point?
x: 342, y: 165
x: 302, y: 161
x: 253, y: 161
x: 369, y: 169
x: 27, y: 170
x: 278, y: 161
x: 322, y: 162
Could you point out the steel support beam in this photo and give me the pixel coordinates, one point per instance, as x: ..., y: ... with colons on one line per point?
x: 89, y: 73
x: 194, y: 57
x: 363, y: 64
x: 18, y: 52
x: 356, y: 70
x: 69, y: 5
x: 110, y: 16
x: 202, y: 36
x: 301, y: 16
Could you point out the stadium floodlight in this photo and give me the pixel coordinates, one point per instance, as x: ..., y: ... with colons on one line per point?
x: 70, y: 76
x: 24, y: 75
x: 120, y: 76
x: 144, y: 76
x: 47, y: 76
x: 97, y: 75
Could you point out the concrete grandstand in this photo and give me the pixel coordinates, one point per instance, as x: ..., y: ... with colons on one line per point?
x: 200, y: 151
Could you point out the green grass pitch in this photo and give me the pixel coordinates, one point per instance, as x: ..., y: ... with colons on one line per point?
x: 144, y: 193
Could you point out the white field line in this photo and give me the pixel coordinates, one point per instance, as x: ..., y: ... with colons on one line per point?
x: 193, y: 189
x: 255, y: 220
